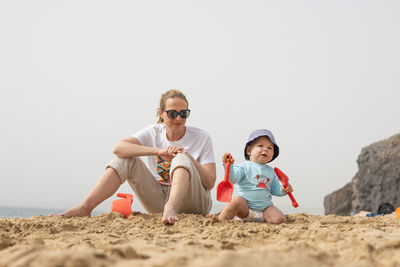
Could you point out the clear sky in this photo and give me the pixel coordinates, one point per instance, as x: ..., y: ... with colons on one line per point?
x: 77, y: 76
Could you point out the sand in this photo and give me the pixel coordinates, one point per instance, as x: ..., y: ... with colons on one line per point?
x: 111, y: 240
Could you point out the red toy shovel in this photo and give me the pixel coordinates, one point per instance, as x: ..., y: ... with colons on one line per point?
x: 225, y: 188
x: 285, y: 180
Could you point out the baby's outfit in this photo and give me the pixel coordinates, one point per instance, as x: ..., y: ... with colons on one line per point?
x: 256, y: 183
x: 254, y: 216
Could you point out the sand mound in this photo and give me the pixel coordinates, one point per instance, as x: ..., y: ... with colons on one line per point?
x: 141, y: 240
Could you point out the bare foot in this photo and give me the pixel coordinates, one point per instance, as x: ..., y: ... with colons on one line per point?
x: 75, y: 212
x: 169, y: 215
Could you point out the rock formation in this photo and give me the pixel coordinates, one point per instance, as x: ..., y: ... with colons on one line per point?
x: 377, y: 181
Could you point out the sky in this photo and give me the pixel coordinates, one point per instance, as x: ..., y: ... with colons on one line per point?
x: 78, y: 76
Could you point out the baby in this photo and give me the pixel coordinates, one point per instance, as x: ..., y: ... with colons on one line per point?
x: 256, y: 182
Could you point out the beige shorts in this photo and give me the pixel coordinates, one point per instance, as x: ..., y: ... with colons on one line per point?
x: 152, y: 194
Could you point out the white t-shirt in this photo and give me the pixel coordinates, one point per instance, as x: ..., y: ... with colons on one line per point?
x: 196, y: 142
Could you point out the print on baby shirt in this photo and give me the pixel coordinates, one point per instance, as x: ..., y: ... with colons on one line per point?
x: 163, y: 168
x: 262, y: 181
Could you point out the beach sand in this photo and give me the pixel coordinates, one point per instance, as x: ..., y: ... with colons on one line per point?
x: 111, y: 240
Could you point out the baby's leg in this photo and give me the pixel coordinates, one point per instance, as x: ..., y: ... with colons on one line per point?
x: 238, y: 206
x: 273, y: 215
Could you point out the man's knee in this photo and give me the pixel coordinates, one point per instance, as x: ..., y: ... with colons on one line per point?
x: 181, y: 165
x: 181, y: 158
x: 123, y: 167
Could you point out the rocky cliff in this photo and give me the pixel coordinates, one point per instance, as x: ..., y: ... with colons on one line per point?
x: 377, y: 180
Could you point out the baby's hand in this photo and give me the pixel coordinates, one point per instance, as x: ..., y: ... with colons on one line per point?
x: 288, y: 188
x: 225, y: 158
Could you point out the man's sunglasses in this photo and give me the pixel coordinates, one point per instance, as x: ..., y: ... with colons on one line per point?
x: 172, y: 114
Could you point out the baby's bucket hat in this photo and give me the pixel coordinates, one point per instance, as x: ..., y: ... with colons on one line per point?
x: 261, y: 132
